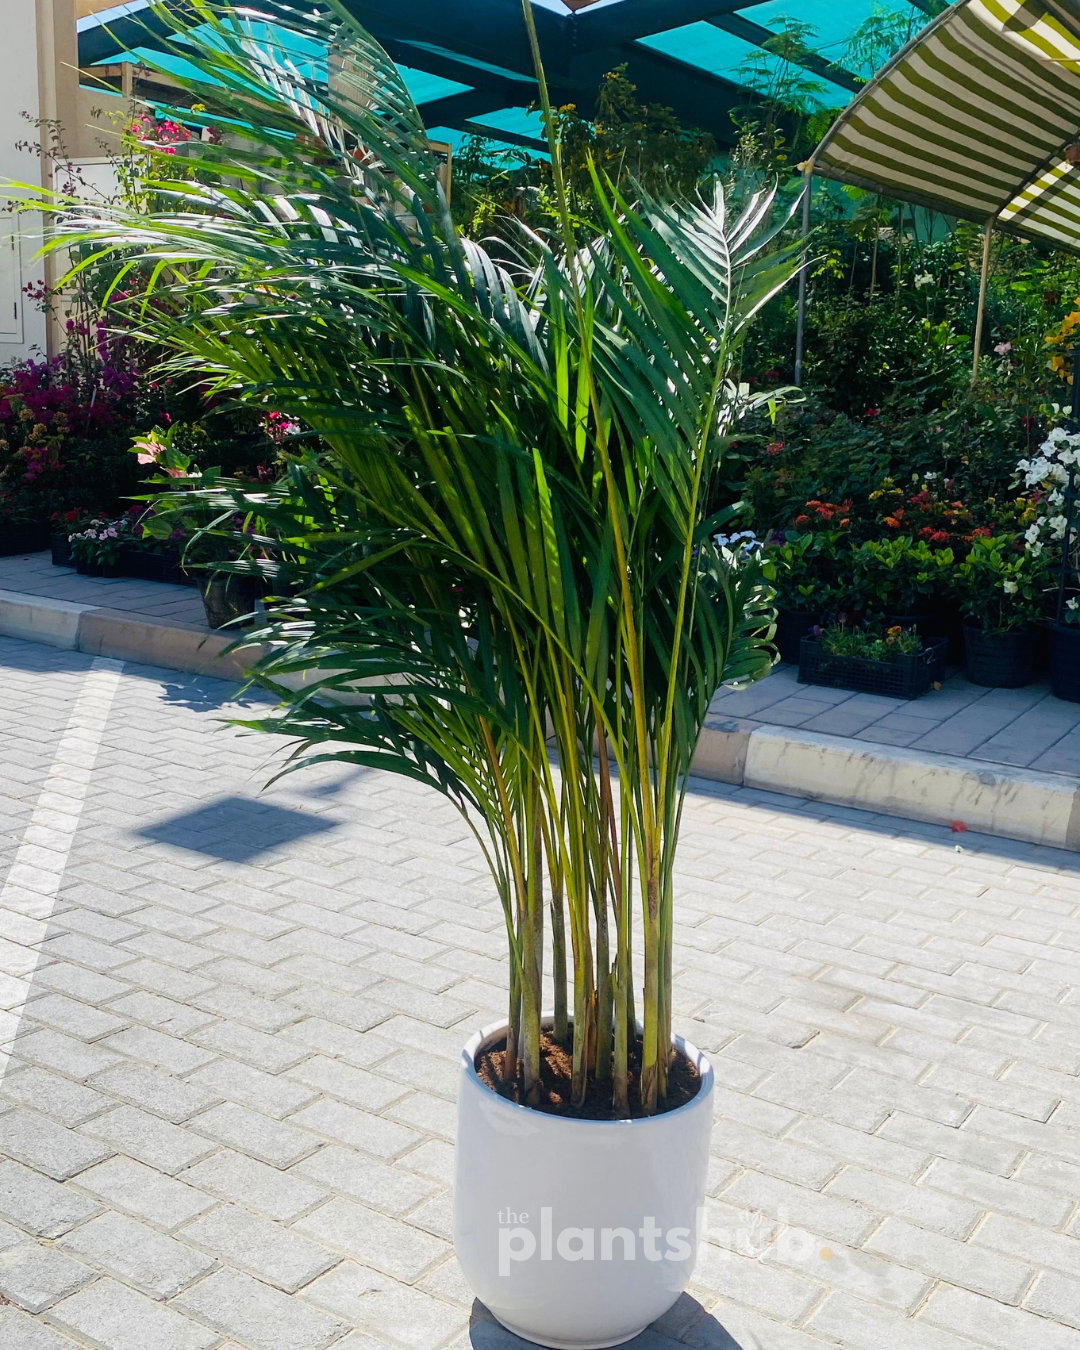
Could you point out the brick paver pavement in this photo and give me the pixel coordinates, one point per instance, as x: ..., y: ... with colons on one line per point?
x: 227, y: 1119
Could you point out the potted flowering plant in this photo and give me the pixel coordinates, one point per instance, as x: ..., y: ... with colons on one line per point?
x: 506, y: 563
x: 1001, y: 587
x: 96, y: 547
x: 1051, y: 477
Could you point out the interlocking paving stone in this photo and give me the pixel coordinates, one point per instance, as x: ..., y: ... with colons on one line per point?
x: 34, y: 1139
x: 384, y: 1243
x: 342, y: 1171
x: 19, y: 1332
x: 35, y: 1277
x: 112, y: 1316
x: 148, y: 1139
x: 275, y: 1142
x: 139, y: 1190
x: 41, y: 1206
x: 159, y: 1093
x: 158, y: 1265
x: 258, y: 1316
x: 264, y: 1189
x: 376, y: 1303
x: 271, y: 1048
x: 67, y: 1102
x: 276, y: 1255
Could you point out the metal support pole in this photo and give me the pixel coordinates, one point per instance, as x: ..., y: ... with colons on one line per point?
x: 1070, y: 490
x: 800, y: 328
x: 983, y: 276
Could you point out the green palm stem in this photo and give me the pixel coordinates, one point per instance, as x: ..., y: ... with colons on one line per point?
x: 514, y: 923
x: 629, y: 629
x: 560, y: 1023
x: 532, y: 940
x: 576, y: 869
x: 612, y: 1036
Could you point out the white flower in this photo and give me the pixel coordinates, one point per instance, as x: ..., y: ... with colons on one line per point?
x: 1031, y: 534
x: 1009, y: 587
x: 1073, y: 604
x: 1057, y: 525
x: 924, y: 279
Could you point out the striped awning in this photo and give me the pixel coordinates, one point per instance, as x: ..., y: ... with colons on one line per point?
x: 978, y: 117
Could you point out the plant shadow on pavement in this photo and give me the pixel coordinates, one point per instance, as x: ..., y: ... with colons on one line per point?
x: 687, y: 1324
x: 236, y: 829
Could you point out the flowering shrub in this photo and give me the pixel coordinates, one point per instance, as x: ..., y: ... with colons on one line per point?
x: 1049, y: 475
x: 842, y: 640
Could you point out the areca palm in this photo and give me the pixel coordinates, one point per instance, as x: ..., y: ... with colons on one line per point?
x: 503, y: 541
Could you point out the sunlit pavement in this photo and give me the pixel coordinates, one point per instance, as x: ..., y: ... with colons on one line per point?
x: 227, y: 1119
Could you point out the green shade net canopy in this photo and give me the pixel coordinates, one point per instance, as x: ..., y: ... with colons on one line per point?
x: 978, y: 117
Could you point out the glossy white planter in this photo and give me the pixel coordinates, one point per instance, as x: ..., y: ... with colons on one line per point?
x: 537, y: 1197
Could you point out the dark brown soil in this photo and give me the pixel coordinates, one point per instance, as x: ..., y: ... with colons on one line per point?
x: 556, y: 1063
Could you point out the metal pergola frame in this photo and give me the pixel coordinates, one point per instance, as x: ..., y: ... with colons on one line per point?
x: 1037, y: 44
x: 483, y: 44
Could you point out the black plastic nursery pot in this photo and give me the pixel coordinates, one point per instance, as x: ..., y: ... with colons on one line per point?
x: 905, y: 677
x: 23, y: 539
x: 999, y: 660
x: 61, y: 550
x: 99, y: 569
x: 940, y: 621
x: 1065, y: 661
x: 792, y: 625
x: 226, y: 597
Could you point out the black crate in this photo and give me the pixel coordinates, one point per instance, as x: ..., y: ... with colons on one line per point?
x: 906, y: 677
x: 149, y: 566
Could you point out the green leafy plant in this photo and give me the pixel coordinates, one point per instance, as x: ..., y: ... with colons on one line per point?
x: 504, y: 543
x: 1001, y: 586
x: 898, y: 576
x: 799, y: 568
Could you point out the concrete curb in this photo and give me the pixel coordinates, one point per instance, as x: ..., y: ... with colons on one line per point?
x: 1037, y: 808
x: 1013, y: 803
x: 99, y: 631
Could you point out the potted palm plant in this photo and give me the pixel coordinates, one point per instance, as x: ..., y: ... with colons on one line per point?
x: 504, y: 583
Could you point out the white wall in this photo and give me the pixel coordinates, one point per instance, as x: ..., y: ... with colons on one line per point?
x: 38, y: 56
x: 22, y: 332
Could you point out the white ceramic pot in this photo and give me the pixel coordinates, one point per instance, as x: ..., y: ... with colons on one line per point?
x: 577, y: 1234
